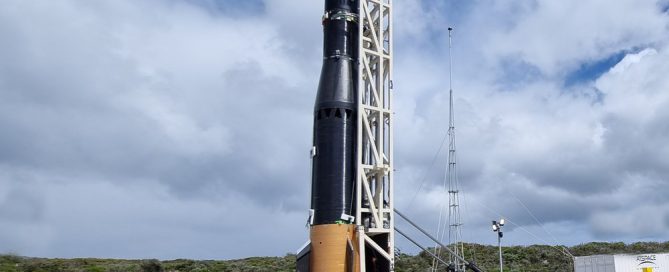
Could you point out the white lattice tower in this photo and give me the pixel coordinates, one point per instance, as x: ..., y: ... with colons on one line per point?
x: 374, y: 181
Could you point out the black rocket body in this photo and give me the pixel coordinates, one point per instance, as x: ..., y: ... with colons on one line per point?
x: 335, y: 111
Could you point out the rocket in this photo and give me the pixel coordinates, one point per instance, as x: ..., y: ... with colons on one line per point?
x: 334, y: 161
x: 333, y: 240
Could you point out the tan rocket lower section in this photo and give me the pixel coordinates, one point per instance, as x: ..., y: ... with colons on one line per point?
x: 334, y: 248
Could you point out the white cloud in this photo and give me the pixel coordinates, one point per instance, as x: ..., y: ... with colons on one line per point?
x: 102, y: 99
x: 101, y: 219
x: 557, y: 36
x: 641, y: 221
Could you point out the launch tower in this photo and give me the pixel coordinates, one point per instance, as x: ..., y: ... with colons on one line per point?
x: 374, y: 182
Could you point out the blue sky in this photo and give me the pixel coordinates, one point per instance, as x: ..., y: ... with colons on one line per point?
x: 590, y: 71
x: 180, y: 129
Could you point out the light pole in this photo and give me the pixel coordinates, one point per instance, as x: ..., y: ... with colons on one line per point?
x: 497, y: 227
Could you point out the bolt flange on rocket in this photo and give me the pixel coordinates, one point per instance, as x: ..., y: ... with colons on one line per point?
x: 332, y: 229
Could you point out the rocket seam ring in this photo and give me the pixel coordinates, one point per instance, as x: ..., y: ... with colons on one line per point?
x: 339, y: 57
x: 342, y: 15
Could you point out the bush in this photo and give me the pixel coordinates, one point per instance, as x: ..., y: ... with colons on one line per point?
x: 151, y: 266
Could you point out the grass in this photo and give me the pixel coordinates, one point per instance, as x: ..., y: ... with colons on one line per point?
x: 516, y: 258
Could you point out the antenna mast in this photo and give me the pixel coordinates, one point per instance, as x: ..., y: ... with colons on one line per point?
x: 454, y: 222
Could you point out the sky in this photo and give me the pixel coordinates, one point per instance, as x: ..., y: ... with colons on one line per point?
x: 181, y: 128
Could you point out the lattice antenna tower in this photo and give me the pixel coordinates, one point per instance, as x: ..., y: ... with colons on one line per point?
x: 454, y: 220
x: 451, y: 180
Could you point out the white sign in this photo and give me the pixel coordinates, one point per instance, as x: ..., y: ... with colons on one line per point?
x: 642, y: 263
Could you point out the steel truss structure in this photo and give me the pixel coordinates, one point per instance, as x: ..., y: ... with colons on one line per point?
x: 374, y: 180
x: 454, y: 220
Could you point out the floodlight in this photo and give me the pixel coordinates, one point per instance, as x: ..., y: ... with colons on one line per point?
x: 501, y: 222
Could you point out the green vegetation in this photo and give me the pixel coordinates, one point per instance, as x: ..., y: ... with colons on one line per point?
x: 530, y: 258
x: 516, y: 258
x: 10, y: 263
